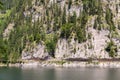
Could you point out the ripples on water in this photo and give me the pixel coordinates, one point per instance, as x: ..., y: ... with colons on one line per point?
x: 59, y: 73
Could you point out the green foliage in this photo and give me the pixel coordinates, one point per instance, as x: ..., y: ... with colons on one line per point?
x: 4, y: 20
x: 3, y: 50
x: 81, y: 28
x: 81, y: 35
x: 23, y: 33
x: 72, y: 19
x: 92, y: 7
x: 111, y: 49
x: 119, y: 25
x: 69, y: 4
x: 64, y: 16
x: 66, y: 30
x: 14, y: 56
x: 1, y: 5
x: 98, y: 23
x: 51, y: 45
x: 109, y: 17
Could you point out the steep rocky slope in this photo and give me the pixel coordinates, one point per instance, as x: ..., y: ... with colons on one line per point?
x: 95, y: 46
x: 64, y: 29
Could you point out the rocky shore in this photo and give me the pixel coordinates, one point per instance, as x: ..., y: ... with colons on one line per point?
x: 66, y: 64
x: 74, y: 64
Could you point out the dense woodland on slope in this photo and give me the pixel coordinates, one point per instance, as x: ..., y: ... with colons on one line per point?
x: 54, y: 23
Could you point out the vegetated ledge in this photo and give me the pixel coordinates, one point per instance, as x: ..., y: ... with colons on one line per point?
x: 69, y: 62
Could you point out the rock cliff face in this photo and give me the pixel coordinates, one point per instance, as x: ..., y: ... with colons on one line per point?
x: 97, y: 46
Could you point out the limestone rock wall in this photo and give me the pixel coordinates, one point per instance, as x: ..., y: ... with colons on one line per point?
x: 94, y: 47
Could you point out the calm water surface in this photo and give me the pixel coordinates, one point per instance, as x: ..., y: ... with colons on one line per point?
x: 59, y: 73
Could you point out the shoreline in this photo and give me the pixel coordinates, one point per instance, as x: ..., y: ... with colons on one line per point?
x: 33, y: 64
x: 69, y: 62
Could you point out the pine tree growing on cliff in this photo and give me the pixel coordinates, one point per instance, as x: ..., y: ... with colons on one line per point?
x: 64, y: 16
x: 1, y: 5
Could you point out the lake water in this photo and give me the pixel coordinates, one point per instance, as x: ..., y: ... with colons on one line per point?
x: 59, y: 73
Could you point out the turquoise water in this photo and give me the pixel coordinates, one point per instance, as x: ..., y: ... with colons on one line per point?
x: 59, y: 73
